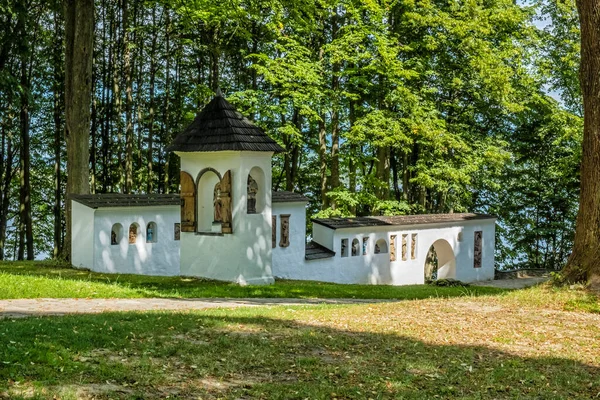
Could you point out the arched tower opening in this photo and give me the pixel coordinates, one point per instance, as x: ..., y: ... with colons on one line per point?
x: 440, y: 262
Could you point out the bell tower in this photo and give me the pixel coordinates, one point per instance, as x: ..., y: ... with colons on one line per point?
x: 225, y: 196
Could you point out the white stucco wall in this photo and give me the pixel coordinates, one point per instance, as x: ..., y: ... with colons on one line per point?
x: 378, y: 269
x: 245, y: 255
x: 324, y: 236
x: 287, y: 260
x: 82, y: 231
x: 159, y: 258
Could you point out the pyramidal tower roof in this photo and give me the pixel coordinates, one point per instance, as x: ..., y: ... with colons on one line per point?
x: 220, y: 127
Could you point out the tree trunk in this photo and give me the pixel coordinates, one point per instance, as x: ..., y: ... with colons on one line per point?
x: 25, y: 223
x: 128, y: 101
x: 7, y: 178
x: 323, y: 162
x: 79, y: 35
x: 58, y: 112
x: 150, y: 183
x: 584, y: 262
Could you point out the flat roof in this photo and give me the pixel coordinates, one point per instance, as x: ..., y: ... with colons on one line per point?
x: 107, y: 200
x: 359, y: 222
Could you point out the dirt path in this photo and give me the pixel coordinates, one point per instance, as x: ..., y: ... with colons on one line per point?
x: 34, y: 307
x: 517, y: 283
x: 29, y: 307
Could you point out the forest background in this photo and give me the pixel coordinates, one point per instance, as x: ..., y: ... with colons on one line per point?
x: 385, y: 107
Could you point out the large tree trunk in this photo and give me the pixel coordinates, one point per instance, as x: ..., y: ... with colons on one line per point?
x: 584, y: 263
x: 79, y: 33
x: 58, y: 112
x: 128, y: 101
x: 25, y: 223
x: 5, y: 192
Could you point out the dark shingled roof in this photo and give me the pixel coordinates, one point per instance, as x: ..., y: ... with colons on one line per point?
x: 220, y: 127
x: 282, y: 196
x: 126, y: 200
x: 141, y: 200
x: 359, y: 222
x: 315, y: 251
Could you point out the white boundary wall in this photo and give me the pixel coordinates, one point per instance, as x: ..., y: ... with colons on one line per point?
x: 378, y: 269
x: 92, y: 246
x: 291, y: 258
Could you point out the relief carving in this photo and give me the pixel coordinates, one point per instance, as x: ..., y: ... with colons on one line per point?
x: 393, y: 248
x: 477, y: 252
x: 285, y: 231
x: 404, y: 247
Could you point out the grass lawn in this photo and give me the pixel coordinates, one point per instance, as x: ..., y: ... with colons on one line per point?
x: 47, y: 279
x: 515, y: 345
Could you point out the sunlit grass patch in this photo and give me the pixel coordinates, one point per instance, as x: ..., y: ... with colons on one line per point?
x: 467, y: 347
x: 48, y: 279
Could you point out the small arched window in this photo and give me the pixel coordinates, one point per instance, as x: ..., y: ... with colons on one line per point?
x: 151, y: 233
x: 134, y: 230
x: 381, y: 246
x: 355, y: 247
x: 116, y: 234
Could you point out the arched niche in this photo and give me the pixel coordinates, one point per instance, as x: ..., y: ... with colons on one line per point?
x: 355, y: 247
x: 116, y: 234
x: 151, y: 233
x: 256, y: 191
x: 440, y: 262
x: 134, y: 232
x: 208, y: 199
x: 381, y: 246
x: 214, y: 201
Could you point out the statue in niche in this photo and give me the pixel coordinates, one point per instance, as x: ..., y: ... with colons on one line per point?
x: 113, y: 237
x: 252, y: 191
x: 413, y: 246
x: 377, y: 249
x: 355, y: 247
x: 285, y: 231
x: 225, y: 203
x: 217, y: 203
x: 404, y: 247
x: 132, y: 234
x: 393, y: 248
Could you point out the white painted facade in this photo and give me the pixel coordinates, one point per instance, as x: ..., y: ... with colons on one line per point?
x: 455, y: 258
x: 243, y: 256
x: 248, y: 257
x: 291, y: 258
x: 92, y: 247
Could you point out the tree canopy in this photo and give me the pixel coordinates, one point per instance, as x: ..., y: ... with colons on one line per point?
x: 384, y: 107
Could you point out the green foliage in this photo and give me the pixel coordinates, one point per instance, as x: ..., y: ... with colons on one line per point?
x: 384, y: 107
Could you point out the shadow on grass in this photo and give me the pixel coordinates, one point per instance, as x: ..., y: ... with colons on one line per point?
x: 154, y: 355
x: 64, y: 281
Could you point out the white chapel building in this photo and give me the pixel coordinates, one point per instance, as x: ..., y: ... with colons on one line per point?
x: 227, y: 224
